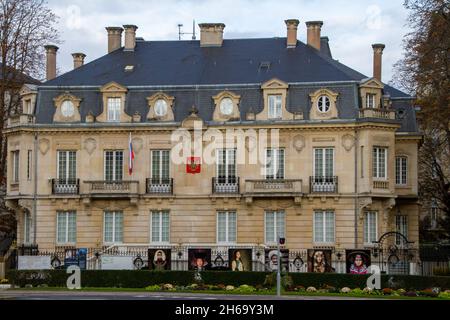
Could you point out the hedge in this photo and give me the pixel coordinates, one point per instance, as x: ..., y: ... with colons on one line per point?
x: 144, y: 278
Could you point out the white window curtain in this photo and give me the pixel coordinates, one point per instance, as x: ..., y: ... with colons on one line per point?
x: 226, y: 227
x: 275, y: 226
x: 113, y: 227
x: 274, y: 164
x: 160, y: 227
x: 324, y: 227
x: 67, y: 227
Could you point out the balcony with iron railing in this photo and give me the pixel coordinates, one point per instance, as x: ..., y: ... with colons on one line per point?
x: 375, y: 113
x: 159, y: 186
x: 113, y: 189
x: 225, y: 185
x: 273, y: 187
x: 320, y: 184
x: 65, y: 186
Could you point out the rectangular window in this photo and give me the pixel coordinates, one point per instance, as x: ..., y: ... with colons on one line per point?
x: 15, y: 167
x: 29, y: 162
x: 324, y: 227
x: 160, y: 166
x: 274, y: 164
x: 362, y: 161
x: 370, y: 227
x: 114, y: 109
x: 434, y: 216
x: 113, y: 227
x: 275, y: 226
x: 28, y: 107
x: 371, y: 100
x: 275, y: 106
x: 67, y: 166
x: 226, y: 166
x: 379, y: 163
x: 324, y: 163
x: 160, y: 226
x: 226, y: 227
x: 27, y: 228
x: 66, y: 227
x: 113, y: 165
x: 401, y: 225
x: 401, y: 170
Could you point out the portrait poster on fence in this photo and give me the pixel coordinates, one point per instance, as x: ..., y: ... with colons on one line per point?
x: 319, y: 261
x: 159, y: 259
x: 199, y: 259
x: 271, y: 258
x: 357, y: 261
x: 75, y: 257
x: 240, y: 259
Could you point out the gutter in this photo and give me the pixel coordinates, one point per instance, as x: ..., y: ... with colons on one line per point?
x: 35, y: 187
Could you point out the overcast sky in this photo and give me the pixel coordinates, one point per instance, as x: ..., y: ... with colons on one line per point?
x: 352, y: 25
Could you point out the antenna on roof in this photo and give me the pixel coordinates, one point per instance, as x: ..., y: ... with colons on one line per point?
x: 181, y: 33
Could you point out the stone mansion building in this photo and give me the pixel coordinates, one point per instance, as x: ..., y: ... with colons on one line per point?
x: 342, y: 175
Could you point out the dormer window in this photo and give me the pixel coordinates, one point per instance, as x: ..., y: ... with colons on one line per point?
x: 67, y: 108
x: 161, y: 107
x: 371, y: 100
x: 226, y: 106
x: 114, y: 109
x: 323, y: 104
x: 275, y: 106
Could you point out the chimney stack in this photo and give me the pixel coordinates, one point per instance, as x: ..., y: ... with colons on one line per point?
x: 292, y: 26
x: 211, y: 34
x: 78, y: 59
x: 114, y: 38
x: 377, y: 59
x: 130, y: 37
x: 51, y: 61
x: 313, y: 33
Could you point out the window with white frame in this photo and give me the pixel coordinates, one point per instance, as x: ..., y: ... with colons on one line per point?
x: 370, y: 227
x: 226, y: 166
x: 401, y: 225
x: 27, y: 227
x: 15, y: 166
x: 434, y: 214
x: 371, y: 101
x: 275, y: 106
x: 114, y: 165
x: 226, y: 227
x: 67, y: 166
x: 324, y: 162
x: 29, y: 166
x: 275, y: 226
x: 274, y: 164
x: 324, y: 227
x: 160, y: 226
x: 66, y: 227
x: 379, y: 160
x: 160, y: 166
x: 114, y: 106
x: 401, y: 170
x: 113, y: 227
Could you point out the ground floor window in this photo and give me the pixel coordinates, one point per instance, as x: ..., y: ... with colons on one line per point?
x: 370, y: 227
x: 27, y: 227
x: 226, y: 227
x: 160, y: 226
x: 113, y: 227
x: 324, y: 227
x: 401, y: 225
x: 66, y: 227
x: 275, y: 226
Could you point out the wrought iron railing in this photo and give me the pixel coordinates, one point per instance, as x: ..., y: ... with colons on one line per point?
x: 225, y: 185
x: 65, y: 186
x: 323, y: 184
x: 159, y: 186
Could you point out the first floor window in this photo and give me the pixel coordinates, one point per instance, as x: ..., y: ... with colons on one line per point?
x: 226, y: 226
x: 323, y: 162
x: 401, y: 170
x: 160, y: 166
x: 274, y: 164
x: 67, y: 227
x: 226, y: 165
x: 401, y: 225
x: 160, y: 228
x: 27, y: 227
x: 324, y: 226
x: 370, y: 227
x: 434, y: 215
x: 15, y: 166
x: 379, y: 162
x: 114, y: 165
x: 114, y: 109
x: 275, y: 226
x: 113, y: 227
x: 67, y: 166
x: 29, y: 159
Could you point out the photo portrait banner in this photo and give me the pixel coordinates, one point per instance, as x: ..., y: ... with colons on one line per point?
x: 159, y: 259
x: 271, y: 259
x: 319, y: 261
x: 240, y: 259
x: 357, y: 261
x: 199, y: 259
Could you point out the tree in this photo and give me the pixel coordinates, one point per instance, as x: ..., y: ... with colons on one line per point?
x: 425, y: 72
x: 25, y: 27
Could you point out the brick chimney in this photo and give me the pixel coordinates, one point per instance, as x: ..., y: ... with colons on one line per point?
x: 51, y: 61
x: 313, y: 33
x: 211, y: 34
x: 114, y: 38
x: 78, y: 59
x: 292, y: 26
x: 130, y: 37
x: 377, y: 60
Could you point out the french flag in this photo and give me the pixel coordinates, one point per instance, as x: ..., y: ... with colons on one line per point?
x: 131, y: 156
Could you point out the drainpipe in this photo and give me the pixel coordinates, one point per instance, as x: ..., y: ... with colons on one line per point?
x: 356, y: 187
x: 35, y: 187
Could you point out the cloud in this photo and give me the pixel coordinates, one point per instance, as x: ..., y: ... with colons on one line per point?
x: 352, y: 26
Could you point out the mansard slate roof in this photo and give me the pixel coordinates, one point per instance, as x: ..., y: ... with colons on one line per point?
x: 193, y: 74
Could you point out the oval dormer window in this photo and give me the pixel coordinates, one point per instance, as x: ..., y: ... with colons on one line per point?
x: 323, y: 104
x: 226, y: 106
x: 161, y: 107
x: 67, y: 108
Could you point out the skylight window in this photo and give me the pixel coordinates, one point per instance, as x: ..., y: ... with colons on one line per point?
x: 129, y: 68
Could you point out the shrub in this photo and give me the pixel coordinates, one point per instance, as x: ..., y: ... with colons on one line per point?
x: 153, y: 288
x: 311, y: 289
x: 410, y: 294
x: 428, y: 293
x: 4, y: 281
x: 346, y: 290
x: 387, y: 291
x: 245, y: 289
x: 287, y: 282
